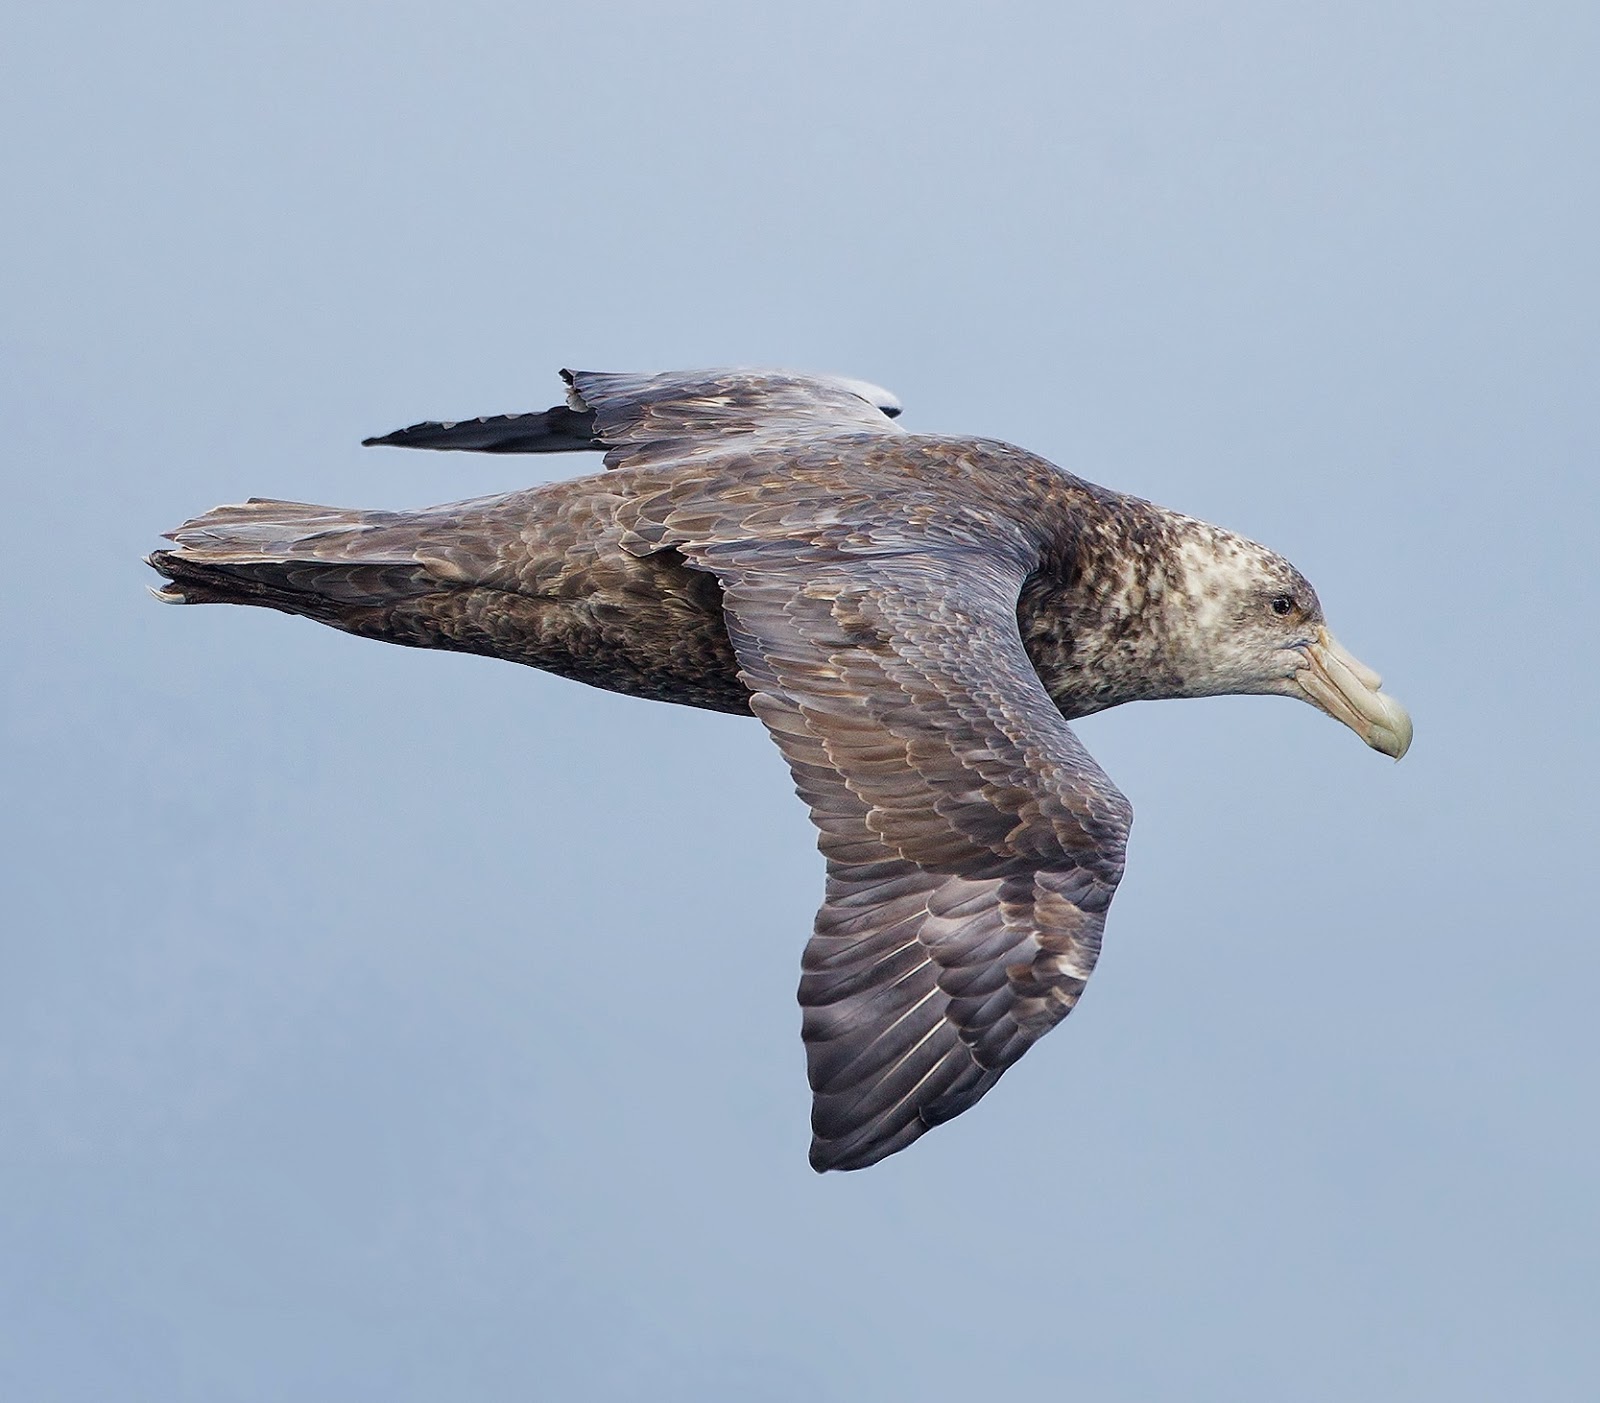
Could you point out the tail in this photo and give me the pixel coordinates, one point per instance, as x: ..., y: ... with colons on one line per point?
x: 349, y: 569
x: 445, y: 577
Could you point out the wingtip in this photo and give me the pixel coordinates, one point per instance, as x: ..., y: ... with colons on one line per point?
x: 402, y: 438
x: 844, y: 1156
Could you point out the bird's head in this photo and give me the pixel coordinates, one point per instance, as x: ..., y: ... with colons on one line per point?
x: 1248, y: 621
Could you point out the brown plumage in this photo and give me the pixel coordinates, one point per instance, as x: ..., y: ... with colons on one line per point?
x: 913, y: 618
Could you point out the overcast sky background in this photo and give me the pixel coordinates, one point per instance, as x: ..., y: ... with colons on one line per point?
x: 397, y: 1025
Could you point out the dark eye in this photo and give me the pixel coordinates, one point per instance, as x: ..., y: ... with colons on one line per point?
x: 1283, y: 604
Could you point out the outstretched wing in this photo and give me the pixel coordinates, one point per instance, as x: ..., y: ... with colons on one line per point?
x: 678, y: 415
x: 972, y: 844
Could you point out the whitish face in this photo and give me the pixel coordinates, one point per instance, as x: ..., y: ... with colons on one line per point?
x: 1248, y: 621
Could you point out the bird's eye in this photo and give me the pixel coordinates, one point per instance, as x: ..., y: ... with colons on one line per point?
x: 1282, y: 604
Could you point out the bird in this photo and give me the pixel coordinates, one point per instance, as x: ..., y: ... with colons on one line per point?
x: 914, y: 617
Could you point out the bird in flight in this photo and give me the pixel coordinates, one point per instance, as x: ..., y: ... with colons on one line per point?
x: 914, y: 617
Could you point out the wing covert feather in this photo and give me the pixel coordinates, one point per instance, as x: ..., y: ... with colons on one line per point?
x: 681, y: 416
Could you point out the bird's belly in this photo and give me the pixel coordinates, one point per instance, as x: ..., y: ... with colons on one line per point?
x: 648, y: 627
x: 666, y: 648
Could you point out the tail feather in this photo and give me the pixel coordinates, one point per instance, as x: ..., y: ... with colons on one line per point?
x: 445, y: 577
x: 321, y: 562
x: 333, y: 594
x: 265, y: 529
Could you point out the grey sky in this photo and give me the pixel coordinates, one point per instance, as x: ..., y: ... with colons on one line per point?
x: 361, y: 1005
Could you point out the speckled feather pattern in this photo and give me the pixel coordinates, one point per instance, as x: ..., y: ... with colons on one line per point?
x: 912, y: 617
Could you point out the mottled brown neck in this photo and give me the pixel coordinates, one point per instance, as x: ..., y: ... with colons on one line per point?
x: 1096, y: 617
